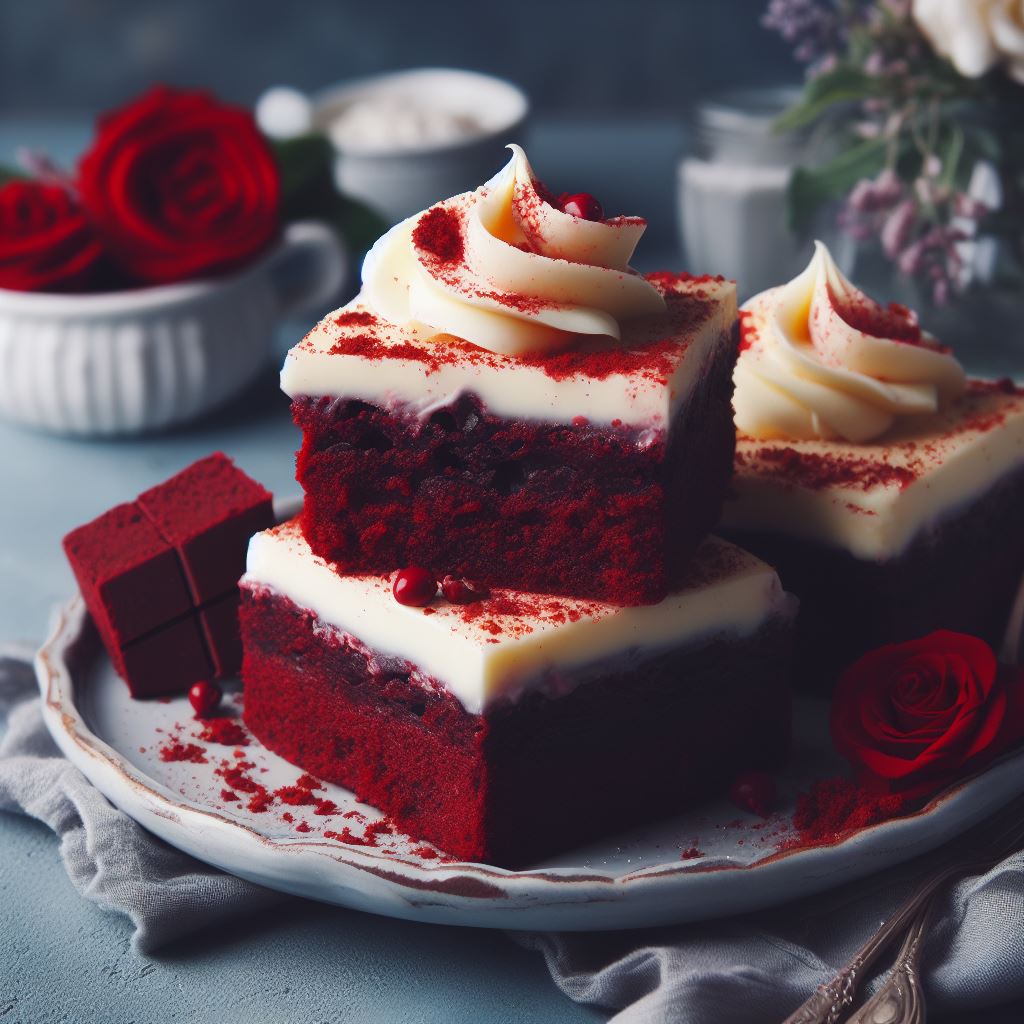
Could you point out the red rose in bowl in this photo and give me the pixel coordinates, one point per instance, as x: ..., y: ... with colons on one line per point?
x: 916, y: 715
x: 47, y: 243
x: 181, y: 186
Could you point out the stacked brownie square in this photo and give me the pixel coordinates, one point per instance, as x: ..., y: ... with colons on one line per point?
x: 591, y: 658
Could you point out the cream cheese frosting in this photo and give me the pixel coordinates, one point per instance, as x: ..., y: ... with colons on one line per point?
x: 514, y: 642
x: 356, y: 353
x: 821, y: 360
x: 504, y: 269
x: 872, y: 500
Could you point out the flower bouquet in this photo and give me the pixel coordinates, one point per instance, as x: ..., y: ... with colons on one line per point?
x: 924, y: 100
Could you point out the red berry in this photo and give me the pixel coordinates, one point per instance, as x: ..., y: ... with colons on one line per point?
x: 460, y: 591
x: 754, y: 792
x: 582, y: 205
x: 204, y: 698
x: 414, y: 586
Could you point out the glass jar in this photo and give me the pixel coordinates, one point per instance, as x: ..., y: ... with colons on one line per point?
x: 732, y: 187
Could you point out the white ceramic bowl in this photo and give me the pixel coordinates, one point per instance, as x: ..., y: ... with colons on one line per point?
x: 398, y: 183
x: 134, y: 361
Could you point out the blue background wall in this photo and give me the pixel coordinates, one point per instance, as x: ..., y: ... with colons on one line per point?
x: 585, y: 58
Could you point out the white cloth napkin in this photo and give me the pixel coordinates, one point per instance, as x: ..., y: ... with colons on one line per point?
x: 756, y: 968
x: 110, y: 859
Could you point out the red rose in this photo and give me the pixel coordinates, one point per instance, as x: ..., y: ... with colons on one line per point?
x: 46, y: 242
x: 180, y: 186
x: 918, y: 714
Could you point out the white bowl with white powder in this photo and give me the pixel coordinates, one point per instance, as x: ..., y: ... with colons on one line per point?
x: 406, y: 138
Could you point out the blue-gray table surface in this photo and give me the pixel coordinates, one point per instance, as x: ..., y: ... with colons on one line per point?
x: 61, y: 959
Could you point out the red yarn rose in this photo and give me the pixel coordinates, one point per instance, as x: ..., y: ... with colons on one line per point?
x: 46, y: 242
x: 181, y: 185
x: 915, y: 715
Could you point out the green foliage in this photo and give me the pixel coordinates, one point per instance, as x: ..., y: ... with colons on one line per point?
x: 9, y: 174
x: 811, y: 188
x: 844, y: 84
x: 309, y: 193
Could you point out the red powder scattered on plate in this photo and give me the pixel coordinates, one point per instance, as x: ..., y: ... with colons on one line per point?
x: 175, y: 750
x: 833, y: 809
x: 226, y: 731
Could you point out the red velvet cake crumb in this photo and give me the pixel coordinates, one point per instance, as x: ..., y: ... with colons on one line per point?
x: 460, y: 591
x: 325, y: 807
x: 691, y: 853
x: 834, y: 808
x: 175, y: 750
x: 296, y: 796
x: 228, y: 794
x: 225, y: 731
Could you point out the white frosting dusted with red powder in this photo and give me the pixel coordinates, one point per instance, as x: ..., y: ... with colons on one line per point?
x: 820, y: 359
x: 873, y: 500
x: 502, y: 268
x: 513, y: 642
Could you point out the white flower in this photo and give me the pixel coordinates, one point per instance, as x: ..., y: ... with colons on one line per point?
x: 976, y: 35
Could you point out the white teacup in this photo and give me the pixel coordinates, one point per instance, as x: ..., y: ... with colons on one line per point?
x: 133, y: 361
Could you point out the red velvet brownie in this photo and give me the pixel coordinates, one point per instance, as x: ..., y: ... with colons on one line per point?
x: 888, y: 493
x: 160, y: 575
x: 507, y: 400
x: 508, y: 728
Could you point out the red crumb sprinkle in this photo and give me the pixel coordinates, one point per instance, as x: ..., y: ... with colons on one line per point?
x: 748, y: 330
x: 325, y: 807
x: 346, y: 835
x: 175, y: 750
x: 439, y: 232
x: 229, y: 795
x: 893, y: 322
x: 226, y: 731
x: 309, y: 782
x: 425, y: 852
x: 260, y: 802
x: 833, y: 809
x: 691, y: 853
x: 303, y: 827
x: 369, y: 837
x: 817, y: 472
x: 296, y: 796
x: 288, y: 816
x: 356, y: 318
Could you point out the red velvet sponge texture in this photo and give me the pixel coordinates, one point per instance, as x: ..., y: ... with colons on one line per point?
x: 159, y: 575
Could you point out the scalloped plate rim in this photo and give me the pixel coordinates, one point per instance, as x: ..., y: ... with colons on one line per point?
x: 481, y: 895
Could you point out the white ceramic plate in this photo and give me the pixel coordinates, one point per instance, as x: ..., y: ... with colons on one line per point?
x: 626, y: 881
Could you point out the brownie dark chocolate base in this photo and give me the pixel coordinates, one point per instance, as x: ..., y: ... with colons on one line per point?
x: 637, y: 741
x: 573, y: 509
x: 960, y: 573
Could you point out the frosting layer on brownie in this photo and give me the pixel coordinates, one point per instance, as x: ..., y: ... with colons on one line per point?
x: 512, y: 641
x: 639, y: 381
x: 873, y: 499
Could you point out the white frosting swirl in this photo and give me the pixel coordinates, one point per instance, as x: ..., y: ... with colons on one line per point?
x: 507, y: 271
x: 819, y: 359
